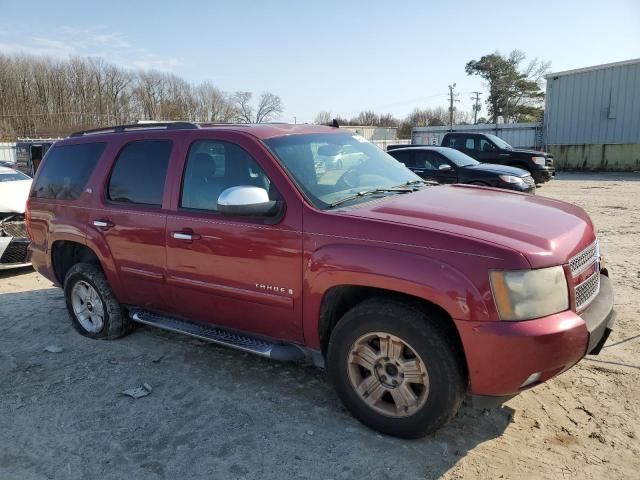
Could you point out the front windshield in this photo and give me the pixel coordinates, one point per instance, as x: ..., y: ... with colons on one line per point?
x: 499, y: 142
x: 330, y: 167
x: 459, y: 158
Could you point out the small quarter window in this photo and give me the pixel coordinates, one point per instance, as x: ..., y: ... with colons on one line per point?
x: 139, y: 173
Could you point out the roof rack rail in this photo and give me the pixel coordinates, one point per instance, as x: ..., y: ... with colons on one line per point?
x: 139, y: 126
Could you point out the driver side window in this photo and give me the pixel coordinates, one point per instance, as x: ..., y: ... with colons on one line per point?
x: 214, y: 166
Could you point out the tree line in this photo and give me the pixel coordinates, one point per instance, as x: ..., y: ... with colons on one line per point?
x: 514, y: 94
x: 44, y: 97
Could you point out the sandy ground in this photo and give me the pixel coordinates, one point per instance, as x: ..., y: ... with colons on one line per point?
x: 218, y: 413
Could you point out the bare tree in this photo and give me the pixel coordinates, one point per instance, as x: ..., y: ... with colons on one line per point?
x: 323, y: 118
x: 269, y: 107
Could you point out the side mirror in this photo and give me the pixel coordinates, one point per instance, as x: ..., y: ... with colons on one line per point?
x: 445, y: 168
x: 245, y: 200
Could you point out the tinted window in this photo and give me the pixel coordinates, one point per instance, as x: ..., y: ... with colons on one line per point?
x: 470, y: 143
x: 214, y: 166
x: 66, y: 171
x: 139, y: 173
x: 427, y: 161
x: 486, y: 146
x: 404, y: 156
x: 453, y: 141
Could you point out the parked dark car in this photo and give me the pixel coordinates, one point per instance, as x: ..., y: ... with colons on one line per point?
x: 411, y: 294
x: 447, y: 165
x: 487, y: 148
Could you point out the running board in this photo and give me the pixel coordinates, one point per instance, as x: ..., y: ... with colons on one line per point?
x: 276, y: 351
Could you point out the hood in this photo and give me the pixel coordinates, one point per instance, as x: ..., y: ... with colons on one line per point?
x: 499, y: 169
x: 533, y: 153
x: 13, y: 196
x: 547, y: 232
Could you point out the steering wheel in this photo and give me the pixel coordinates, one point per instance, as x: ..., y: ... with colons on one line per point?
x: 350, y: 178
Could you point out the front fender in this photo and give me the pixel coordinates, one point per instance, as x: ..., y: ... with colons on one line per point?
x: 404, y: 272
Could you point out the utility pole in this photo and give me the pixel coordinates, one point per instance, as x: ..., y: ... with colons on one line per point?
x: 452, y: 98
x: 476, y: 106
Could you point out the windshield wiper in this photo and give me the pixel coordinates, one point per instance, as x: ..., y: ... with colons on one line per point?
x: 398, y: 189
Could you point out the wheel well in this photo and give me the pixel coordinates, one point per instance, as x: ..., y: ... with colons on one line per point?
x: 65, y: 254
x: 339, y: 300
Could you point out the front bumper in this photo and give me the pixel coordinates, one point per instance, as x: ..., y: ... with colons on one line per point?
x: 543, y: 175
x: 519, y: 187
x: 13, y: 252
x: 501, y: 356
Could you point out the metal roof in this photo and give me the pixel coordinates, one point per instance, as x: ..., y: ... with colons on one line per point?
x: 590, y: 69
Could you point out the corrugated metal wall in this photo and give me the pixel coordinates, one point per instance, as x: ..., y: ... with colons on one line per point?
x: 7, y: 152
x: 598, y: 105
x: 521, y: 135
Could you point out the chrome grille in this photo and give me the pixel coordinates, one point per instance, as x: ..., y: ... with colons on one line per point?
x: 584, y: 259
x: 529, y: 180
x: 587, y: 290
x: 14, y: 229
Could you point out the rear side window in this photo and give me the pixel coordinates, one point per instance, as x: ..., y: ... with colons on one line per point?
x: 139, y: 173
x: 65, y: 173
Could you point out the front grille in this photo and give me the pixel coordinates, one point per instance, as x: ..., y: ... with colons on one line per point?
x: 16, y: 252
x: 529, y: 181
x: 549, y: 162
x: 15, y: 229
x: 587, y: 290
x: 584, y: 259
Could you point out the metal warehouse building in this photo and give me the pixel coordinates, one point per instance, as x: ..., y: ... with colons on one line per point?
x: 592, y: 117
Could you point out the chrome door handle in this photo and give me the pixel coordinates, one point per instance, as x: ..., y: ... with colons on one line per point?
x: 102, y: 223
x: 184, y: 236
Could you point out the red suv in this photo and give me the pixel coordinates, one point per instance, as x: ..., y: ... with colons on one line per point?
x: 411, y: 294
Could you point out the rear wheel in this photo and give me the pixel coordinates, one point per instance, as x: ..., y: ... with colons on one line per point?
x: 395, y: 369
x: 92, y: 306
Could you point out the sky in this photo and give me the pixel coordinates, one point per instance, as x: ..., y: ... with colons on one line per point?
x: 338, y: 56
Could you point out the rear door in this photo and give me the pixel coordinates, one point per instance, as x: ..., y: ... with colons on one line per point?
x: 244, y: 273
x: 129, y: 213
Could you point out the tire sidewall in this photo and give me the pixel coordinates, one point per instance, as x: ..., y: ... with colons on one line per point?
x: 446, y: 384
x: 94, y: 277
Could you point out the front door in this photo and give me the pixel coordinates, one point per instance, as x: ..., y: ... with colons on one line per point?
x: 243, y: 273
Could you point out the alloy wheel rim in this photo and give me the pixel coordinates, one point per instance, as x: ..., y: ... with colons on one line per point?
x: 388, y: 374
x: 87, y: 306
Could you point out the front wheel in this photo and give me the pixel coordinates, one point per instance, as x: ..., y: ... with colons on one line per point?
x: 395, y: 368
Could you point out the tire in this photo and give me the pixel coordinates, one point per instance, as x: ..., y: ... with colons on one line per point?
x: 434, y: 349
x: 81, y: 279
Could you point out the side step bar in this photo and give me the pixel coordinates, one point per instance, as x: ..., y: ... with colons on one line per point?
x: 276, y: 351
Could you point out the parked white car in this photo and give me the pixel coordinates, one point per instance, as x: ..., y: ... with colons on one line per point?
x: 14, y: 240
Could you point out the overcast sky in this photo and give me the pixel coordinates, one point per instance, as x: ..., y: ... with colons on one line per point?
x: 341, y: 56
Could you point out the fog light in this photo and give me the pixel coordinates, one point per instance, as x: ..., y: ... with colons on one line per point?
x: 534, y: 377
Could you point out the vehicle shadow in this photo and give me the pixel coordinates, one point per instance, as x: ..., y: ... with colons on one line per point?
x: 213, y: 412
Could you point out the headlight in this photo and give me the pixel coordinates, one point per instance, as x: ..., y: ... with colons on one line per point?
x: 511, y: 179
x: 528, y: 294
x: 539, y: 161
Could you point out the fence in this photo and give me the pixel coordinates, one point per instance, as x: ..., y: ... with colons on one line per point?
x: 383, y: 144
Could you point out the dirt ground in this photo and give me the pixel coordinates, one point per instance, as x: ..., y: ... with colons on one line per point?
x: 219, y: 413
